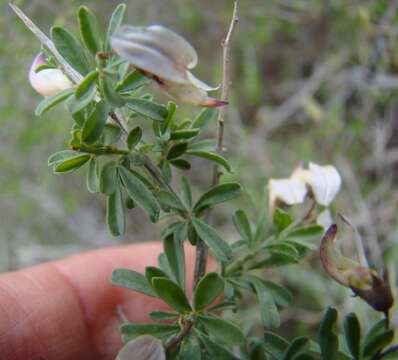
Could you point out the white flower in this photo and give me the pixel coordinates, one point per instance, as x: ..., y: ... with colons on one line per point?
x: 166, y: 57
x: 324, y: 181
x: 47, y: 82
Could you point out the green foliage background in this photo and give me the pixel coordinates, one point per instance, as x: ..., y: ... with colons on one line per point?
x: 312, y: 80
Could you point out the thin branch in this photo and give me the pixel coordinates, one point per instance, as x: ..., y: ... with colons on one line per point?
x: 201, y: 248
x: 184, y: 332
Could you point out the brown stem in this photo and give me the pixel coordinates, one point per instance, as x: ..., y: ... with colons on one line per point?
x: 201, y: 248
x: 183, y: 333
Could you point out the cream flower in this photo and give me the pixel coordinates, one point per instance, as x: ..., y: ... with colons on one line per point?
x: 166, y: 57
x: 288, y: 191
x: 47, y: 82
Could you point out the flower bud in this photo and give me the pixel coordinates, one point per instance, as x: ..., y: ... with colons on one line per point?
x: 47, y: 82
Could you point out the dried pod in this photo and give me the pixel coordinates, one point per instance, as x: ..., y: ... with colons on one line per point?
x: 363, y: 281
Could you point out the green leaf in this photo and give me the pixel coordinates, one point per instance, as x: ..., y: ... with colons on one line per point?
x: 215, y: 350
x: 269, y: 311
x: 176, y: 151
x: 328, y: 340
x: 275, y: 345
x: 174, y: 250
x: 131, y: 331
x: 61, y: 156
x: 220, y: 248
x: 181, y: 164
x: 352, y: 331
x: 132, y: 280
x: 281, y: 220
x: 184, y: 134
x: 223, y: 330
x: 169, y: 200
x: 71, y: 164
x: 190, y: 348
x: 171, y: 294
x: 70, y: 49
x: 87, y: 84
x: 209, y: 288
x: 134, y: 137
x: 89, y: 29
x: 110, y: 94
x: 211, y: 156
x: 217, y: 194
x: 48, y: 102
x: 115, y: 217
x: 171, y: 110
x: 92, y: 179
x: 75, y: 106
x: 295, y: 347
x: 162, y: 315
x: 147, y: 108
x: 108, y: 178
x: 111, y: 134
x: 205, y: 117
x: 282, y: 296
x: 305, y: 233
x: 132, y: 82
x: 115, y: 21
x: 203, y: 145
x: 152, y: 272
x: 186, y: 192
x: 242, y: 225
x: 139, y: 192
x: 284, y: 250
x: 95, y: 123
x: 378, y: 343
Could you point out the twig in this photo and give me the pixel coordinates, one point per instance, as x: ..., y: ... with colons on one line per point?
x: 201, y: 248
x: 184, y: 332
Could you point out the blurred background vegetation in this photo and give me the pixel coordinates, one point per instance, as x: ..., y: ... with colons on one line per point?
x: 312, y: 80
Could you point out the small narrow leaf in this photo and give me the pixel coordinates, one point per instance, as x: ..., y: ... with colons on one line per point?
x: 281, y: 220
x: 184, y: 134
x: 209, y: 288
x: 115, y: 21
x: 134, y: 137
x: 269, y: 311
x: 147, y: 108
x: 49, y: 102
x: 95, y: 123
x: 115, y: 217
x: 181, y: 164
x: 295, y: 347
x: 212, y: 157
x: 242, y: 225
x: 171, y: 294
x: 379, y: 342
x: 174, y: 250
x: 61, y: 156
x: 108, y: 178
x: 170, y: 200
x: 218, y: 194
x: 275, y: 345
x: 215, y: 350
x: 205, y: 117
x: 352, y: 331
x: 152, y: 272
x: 222, y: 329
x: 86, y: 84
x: 70, y: 49
x: 132, y: 280
x: 328, y: 340
x: 89, y: 29
x: 138, y: 191
x: 71, y: 164
x: 111, y: 134
x: 162, y: 315
x: 132, y: 82
x: 176, y: 151
x: 220, y: 248
x: 92, y: 180
x: 186, y: 192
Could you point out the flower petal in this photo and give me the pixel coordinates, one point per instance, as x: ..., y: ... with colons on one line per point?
x: 325, y: 182
x: 155, y: 49
x: 47, y: 82
x: 199, y: 83
x: 290, y: 191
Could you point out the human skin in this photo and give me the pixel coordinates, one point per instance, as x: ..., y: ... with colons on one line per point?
x: 66, y: 309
